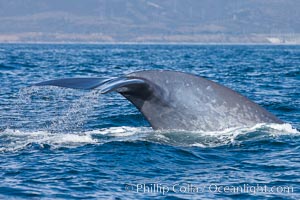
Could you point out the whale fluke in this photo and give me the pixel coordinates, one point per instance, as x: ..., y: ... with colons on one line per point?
x: 172, y: 100
x: 75, y: 83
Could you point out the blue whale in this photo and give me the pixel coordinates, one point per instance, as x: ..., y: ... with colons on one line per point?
x: 172, y: 100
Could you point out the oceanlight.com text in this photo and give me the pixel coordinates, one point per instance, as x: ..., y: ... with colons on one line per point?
x: 158, y: 188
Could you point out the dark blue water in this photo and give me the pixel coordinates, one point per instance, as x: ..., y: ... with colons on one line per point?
x: 71, y: 144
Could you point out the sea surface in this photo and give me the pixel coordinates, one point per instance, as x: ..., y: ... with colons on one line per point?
x: 60, y: 143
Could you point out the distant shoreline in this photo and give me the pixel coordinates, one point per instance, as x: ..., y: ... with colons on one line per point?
x: 141, y: 38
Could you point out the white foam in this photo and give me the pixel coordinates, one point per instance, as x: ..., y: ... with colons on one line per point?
x: 283, y: 128
x: 275, y: 128
x: 17, y: 139
x: 122, y: 131
x: 12, y: 140
x: 224, y: 137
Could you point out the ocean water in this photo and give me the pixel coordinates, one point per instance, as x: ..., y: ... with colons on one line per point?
x: 60, y: 143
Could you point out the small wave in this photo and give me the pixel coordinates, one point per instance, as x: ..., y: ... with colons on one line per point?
x: 13, y: 140
x: 236, y: 136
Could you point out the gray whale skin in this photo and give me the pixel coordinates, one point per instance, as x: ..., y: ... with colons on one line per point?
x: 172, y: 100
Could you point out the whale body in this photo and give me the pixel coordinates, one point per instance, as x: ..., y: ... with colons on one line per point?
x: 172, y: 100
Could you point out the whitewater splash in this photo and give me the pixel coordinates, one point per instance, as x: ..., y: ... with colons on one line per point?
x: 14, y: 140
